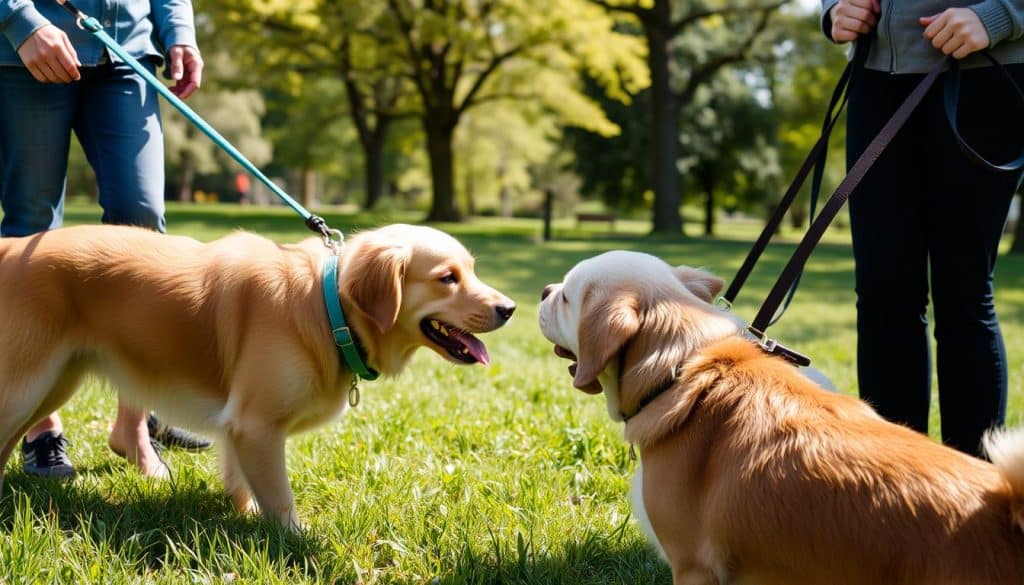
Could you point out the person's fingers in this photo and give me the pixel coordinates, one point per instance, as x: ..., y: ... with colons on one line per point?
x: 963, y: 51
x: 876, y: 5
x: 863, y: 15
x: 65, y: 62
x: 184, y: 89
x: 927, y: 20
x: 843, y: 36
x: 50, y: 72
x: 953, y: 45
x: 177, y: 68
x: 942, y: 36
x: 36, y: 72
x: 853, y: 25
x: 936, y: 23
x: 71, y: 51
x: 193, y: 76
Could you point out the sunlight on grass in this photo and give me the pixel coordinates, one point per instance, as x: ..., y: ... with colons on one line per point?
x: 448, y: 474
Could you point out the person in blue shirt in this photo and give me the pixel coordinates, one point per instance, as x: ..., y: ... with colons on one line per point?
x: 56, y: 78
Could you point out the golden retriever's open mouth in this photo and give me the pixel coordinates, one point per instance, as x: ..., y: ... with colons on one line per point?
x: 459, y: 344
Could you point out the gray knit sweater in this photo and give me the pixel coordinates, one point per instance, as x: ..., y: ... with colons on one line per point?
x: 900, y: 46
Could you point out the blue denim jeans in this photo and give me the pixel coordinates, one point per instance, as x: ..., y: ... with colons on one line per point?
x: 116, y: 118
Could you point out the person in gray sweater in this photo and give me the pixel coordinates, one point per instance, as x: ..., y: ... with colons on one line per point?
x: 926, y: 220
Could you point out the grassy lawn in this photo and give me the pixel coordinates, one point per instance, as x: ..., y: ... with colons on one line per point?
x: 448, y: 474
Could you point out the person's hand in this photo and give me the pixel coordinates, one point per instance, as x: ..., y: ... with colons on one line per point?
x: 852, y: 18
x: 186, y: 68
x: 956, y: 31
x: 49, y: 56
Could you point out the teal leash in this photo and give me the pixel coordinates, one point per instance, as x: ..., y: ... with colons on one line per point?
x: 88, y: 23
x: 332, y: 238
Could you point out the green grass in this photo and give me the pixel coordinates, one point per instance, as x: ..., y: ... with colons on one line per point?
x: 448, y: 474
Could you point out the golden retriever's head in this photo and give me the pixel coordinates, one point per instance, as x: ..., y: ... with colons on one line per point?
x: 634, y: 311
x: 415, y: 286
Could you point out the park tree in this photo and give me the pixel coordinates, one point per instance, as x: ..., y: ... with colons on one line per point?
x: 500, y: 144
x: 687, y: 44
x: 235, y: 114
x: 297, y: 47
x: 728, y: 144
x: 313, y: 135
x: 461, y: 54
x: 615, y: 168
x: 448, y: 55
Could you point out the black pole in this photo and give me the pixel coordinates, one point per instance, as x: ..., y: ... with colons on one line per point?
x: 549, y: 197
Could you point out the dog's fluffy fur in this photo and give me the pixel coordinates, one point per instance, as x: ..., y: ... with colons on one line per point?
x: 752, y: 473
x: 231, y: 337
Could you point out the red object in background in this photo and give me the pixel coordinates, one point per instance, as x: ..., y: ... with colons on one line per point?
x: 242, y: 185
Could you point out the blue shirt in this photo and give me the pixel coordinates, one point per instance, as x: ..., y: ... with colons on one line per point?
x: 145, y: 28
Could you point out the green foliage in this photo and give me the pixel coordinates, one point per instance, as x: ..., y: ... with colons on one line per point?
x: 616, y: 169
x: 805, y: 69
x: 435, y: 60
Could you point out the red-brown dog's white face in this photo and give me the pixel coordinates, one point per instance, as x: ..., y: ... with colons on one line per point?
x: 601, y: 305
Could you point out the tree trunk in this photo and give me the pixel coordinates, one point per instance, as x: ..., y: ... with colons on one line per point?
x: 186, y: 177
x: 470, y: 190
x: 373, y: 151
x: 374, y: 155
x: 440, y: 136
x: 666, y: 217
x: 707, y: 181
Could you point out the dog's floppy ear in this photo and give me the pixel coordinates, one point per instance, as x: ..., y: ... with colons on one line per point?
x: 373, y: 280
x: 703, y: 284
x: 606, y: 324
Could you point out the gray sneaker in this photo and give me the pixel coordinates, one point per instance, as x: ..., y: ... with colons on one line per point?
x: 47, y: 456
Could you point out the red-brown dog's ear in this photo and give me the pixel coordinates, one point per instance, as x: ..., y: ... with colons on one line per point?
x: 373, y: 280
x: 605, y: 327
x: 703, y: 284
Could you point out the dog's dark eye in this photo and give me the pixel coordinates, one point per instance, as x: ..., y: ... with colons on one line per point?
x: 449, y: 278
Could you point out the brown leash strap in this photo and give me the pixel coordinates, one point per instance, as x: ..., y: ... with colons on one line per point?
x: 794, y: 267
x: 815, y: 160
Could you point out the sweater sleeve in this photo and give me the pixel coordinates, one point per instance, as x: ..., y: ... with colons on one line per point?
x: 173, y: 23
x: 1003, y: 19
x: 19, y: 19
x: 826, y: 17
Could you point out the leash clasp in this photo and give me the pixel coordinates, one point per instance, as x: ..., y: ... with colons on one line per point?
x: 773, y: 347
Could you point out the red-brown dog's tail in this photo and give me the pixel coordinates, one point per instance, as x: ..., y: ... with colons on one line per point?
x: 1006, y: 450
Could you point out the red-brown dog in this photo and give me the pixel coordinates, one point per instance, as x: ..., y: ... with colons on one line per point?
x: 753, y: 474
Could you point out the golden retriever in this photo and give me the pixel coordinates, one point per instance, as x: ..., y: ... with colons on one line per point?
x: 750, y: 472
x: 231, y: 337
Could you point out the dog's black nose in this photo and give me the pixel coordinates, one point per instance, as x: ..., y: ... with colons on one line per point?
x: 505, y: 311
x: 547, y: 291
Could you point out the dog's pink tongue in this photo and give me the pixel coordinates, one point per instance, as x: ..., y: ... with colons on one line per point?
x: 476, y: 347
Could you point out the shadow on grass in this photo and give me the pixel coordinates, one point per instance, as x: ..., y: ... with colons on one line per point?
x: 594, y: 559
x: 149, y: 528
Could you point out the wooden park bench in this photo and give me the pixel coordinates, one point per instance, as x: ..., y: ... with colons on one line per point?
x: 608, y: 218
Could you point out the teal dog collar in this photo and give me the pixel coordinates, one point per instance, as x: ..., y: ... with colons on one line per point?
x: 343, y: 336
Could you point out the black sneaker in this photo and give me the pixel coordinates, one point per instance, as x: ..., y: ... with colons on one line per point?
x: 174, y: 437
x: 46, y: 456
